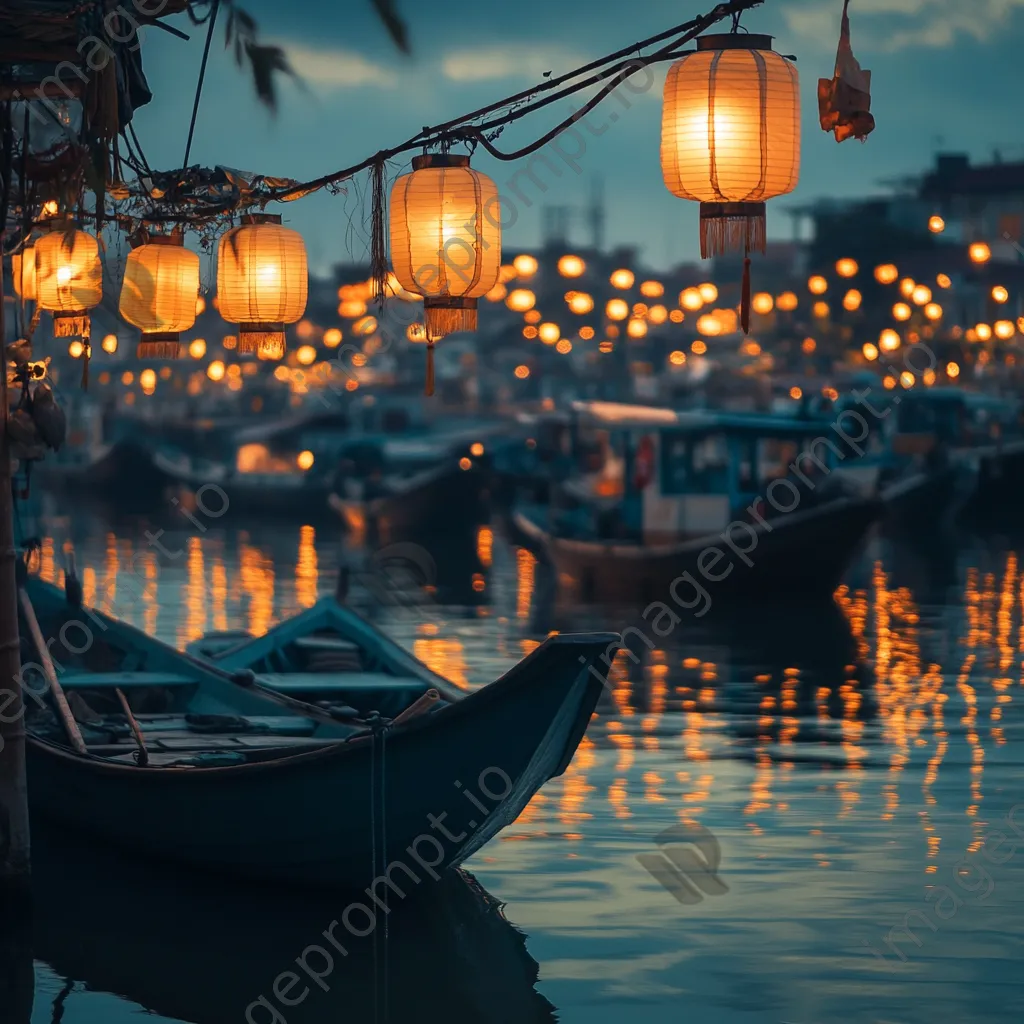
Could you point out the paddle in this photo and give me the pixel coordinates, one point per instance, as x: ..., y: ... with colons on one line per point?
x: 136, y: 731
x: 68, y: 719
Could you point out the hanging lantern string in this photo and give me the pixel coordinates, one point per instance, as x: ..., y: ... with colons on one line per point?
x: 462, y: 127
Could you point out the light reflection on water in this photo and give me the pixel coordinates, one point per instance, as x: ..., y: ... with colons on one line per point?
x: 843, y: 761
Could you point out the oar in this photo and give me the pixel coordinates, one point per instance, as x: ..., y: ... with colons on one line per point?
x: 70, y: 725
x: 420, y: 707
x: 136, y: 731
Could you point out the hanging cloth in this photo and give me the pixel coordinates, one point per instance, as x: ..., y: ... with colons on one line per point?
x: 844, y: 101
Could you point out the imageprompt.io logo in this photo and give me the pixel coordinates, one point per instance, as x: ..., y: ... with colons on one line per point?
x: 687, y: 863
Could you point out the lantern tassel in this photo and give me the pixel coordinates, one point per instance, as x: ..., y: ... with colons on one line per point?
x: 429, y: 387
x: 86, y: 353
x: 732, y: 227
x: 745, y: 297
x: 442, y: 320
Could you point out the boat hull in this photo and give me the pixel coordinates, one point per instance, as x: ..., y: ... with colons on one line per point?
x: 308, y: 818
x: 797, y: 557
x: 445, y: 499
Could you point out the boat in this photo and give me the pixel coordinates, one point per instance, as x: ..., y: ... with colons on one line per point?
x: 328, y: 655
x: 395, y: 488
x: 680, y: 506
x: 219, y: 773
x: 199, y: 950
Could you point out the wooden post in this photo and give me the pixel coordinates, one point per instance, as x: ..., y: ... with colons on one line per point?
x: 14, y: 831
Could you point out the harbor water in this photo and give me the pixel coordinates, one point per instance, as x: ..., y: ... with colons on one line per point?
x: 844, y: 775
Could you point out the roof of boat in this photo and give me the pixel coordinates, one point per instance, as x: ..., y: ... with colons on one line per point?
x: 615, y: 414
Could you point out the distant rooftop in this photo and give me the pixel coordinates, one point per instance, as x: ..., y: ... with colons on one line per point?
x: 954, y: 176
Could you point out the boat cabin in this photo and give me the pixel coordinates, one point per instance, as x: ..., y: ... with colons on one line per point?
x: 667, y: 475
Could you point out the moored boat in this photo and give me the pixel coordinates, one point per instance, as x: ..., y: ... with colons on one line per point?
x: 705, y: 506
x: 228, y: 776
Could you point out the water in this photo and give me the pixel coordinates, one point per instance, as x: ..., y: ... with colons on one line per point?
x: 850, y: 767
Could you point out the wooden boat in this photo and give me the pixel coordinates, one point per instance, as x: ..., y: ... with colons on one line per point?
x: 244, y: 781
x: 674, y: 488
x: 329, y: 654
x: 406, y: 486
x: 212, y: 949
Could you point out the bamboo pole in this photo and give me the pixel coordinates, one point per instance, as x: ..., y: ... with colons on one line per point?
x: 15, y: 862
x: 63, y: 708
x: 136, y: 731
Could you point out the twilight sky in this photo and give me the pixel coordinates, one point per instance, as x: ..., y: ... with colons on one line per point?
x: 946, y: 74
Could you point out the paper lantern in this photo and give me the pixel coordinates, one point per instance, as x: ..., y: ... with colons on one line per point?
x: 23, y: 270
x: 731, y: 136
x: 159, y: 293
x: 446, y: 239
x: 262, y: 282
x: 69, y: 278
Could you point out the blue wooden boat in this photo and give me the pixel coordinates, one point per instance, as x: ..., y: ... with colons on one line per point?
x: 199, y: 950
x: 662, y: 491
x: 328, y: 655
x: 247, y: 782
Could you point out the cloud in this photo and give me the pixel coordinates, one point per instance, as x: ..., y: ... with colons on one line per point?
x: 337, y: 69
x: 891, y: 25
x: 498, y: 62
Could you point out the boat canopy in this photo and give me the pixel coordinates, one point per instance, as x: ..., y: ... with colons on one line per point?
x: 611, y: 415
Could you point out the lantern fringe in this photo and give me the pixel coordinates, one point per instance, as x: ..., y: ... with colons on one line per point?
x: 272, y: 346
x: 70, y: 325
x: 164, y: 349
x: 378, y: 235
x: 266, y: 340
x: 428, y: 389
x: 444, y: 320
x: 732, y: 227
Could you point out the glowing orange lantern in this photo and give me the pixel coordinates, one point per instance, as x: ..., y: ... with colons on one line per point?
x: 159, y: 293
x: 731, y: 136
x: 69, y: 278
x: 262, y: 282
x: 730, y: 140
x: 446, y: 239
x: 23, y: 270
